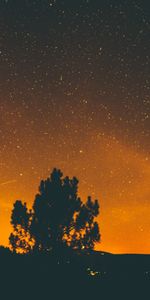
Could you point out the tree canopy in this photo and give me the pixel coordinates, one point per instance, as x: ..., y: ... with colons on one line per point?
x: 58, y: 219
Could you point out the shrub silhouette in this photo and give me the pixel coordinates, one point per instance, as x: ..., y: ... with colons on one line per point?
x: 20, y: 238
x: 59, y: 220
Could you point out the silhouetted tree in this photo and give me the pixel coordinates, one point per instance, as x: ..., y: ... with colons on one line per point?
x: 20, y: 239
x: 58, y: 219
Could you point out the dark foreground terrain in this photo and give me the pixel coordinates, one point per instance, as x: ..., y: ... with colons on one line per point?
x: 97, y: 274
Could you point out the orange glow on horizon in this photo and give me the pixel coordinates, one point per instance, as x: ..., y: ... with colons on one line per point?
x: 119, y: 179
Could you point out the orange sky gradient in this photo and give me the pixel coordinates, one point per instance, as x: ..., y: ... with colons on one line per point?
x: 116, y: 174
x: 75, y: 95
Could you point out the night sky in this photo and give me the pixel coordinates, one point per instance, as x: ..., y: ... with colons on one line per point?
x: 75, y: 94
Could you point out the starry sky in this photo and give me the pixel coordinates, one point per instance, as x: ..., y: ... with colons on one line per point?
x: 75, y: 94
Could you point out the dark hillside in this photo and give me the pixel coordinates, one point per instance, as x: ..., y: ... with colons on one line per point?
x: 101, y: 273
